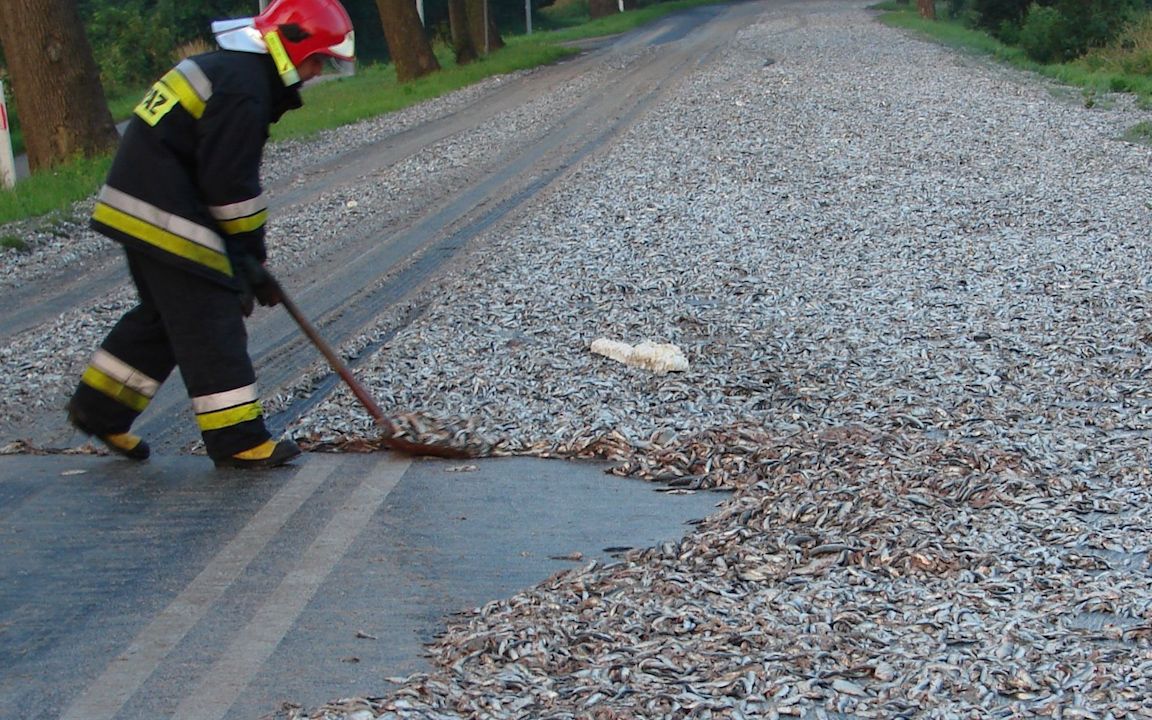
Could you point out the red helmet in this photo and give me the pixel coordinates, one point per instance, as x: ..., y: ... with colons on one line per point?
x: 309, y: 27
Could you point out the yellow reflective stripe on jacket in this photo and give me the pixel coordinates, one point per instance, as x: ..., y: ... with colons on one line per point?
x: 124, y: 373
x: 186, y: 85
x: 113, y: 388
x: 162, y: 229
x: 279, y: 55
x: 184, y: 92
x: 224, y: 400
x: 197, y: 233
x: 162, y: 239
x: 242, y: 225
x: 196, y: 78
x: 242, y: 216
x: 227, y: 418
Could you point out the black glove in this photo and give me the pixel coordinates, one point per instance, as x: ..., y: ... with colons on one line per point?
x: 259, y: 281
x: 247, y: 300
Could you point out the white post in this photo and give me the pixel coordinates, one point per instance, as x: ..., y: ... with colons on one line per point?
x: 420, y: 9
x: 7, y: 162
x: 528, y: 15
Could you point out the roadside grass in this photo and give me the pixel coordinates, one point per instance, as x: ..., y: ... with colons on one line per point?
x: 44, y: 192
x: 951, y: 33
x: 563, y: 14
x: 11, y: 242
x: 372, y: 91
x: 1140, y: 133
x: 1123, y: 67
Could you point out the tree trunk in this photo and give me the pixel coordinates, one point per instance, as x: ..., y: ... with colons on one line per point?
x: 55, y: 82
x: 927, y: 9
x: 479, y: 11
x: 602, y: 8
x: 461, y: 38
x: 407, y: 43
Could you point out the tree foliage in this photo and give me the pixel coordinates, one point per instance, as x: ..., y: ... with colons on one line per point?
x: 1050, y: 30
x: 1091, y: 24
x: 997, y: 16
x: 136, y: 41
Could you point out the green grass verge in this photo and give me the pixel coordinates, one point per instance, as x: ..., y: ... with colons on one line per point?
x: 45, y: 192
x: 562, y: 14
x: 1140, y: 133
x: 1086, y: 73
x: 372, y: 91
x: 11, y: 242
x: 952, y: 34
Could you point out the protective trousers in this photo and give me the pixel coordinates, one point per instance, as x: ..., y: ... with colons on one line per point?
x: 186, y: 321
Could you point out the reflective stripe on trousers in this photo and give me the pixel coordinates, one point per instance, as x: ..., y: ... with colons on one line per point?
x: 119, y: 381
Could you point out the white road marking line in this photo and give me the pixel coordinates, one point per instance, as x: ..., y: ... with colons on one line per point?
x: 232, y: 671
x: 105, y: 697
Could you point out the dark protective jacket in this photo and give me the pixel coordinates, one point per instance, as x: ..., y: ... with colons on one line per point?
x: 185, y: 184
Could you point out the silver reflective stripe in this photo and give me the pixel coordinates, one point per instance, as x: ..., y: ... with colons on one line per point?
x: 196, y: 78
x: 122, y: 372
x: 224, y: 400
x: 244, y: 208
x: 153, y: 215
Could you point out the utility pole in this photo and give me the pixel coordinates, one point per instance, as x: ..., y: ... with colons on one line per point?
x: 7, y: 162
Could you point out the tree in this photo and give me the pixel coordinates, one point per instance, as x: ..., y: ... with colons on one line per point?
x: 55, y: 82
x: 407, y: 44
x: 602, y: 8
x: 462, y: 45
x: 482, y: 27
x: 467, y: 21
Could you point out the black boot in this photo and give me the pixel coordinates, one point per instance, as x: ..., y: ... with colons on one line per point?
x: 126, y: 444
x: 269, y: 454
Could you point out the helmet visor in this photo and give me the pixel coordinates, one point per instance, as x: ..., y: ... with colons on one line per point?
x: 345, y: 68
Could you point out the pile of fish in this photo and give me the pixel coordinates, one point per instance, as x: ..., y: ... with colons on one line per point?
x: 912, y: 291
x: 911, y: 288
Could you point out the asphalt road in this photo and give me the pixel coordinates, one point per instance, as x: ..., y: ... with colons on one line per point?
x: 168, y: 589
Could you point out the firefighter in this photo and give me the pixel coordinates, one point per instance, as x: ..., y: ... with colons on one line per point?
x: 183, y: 197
